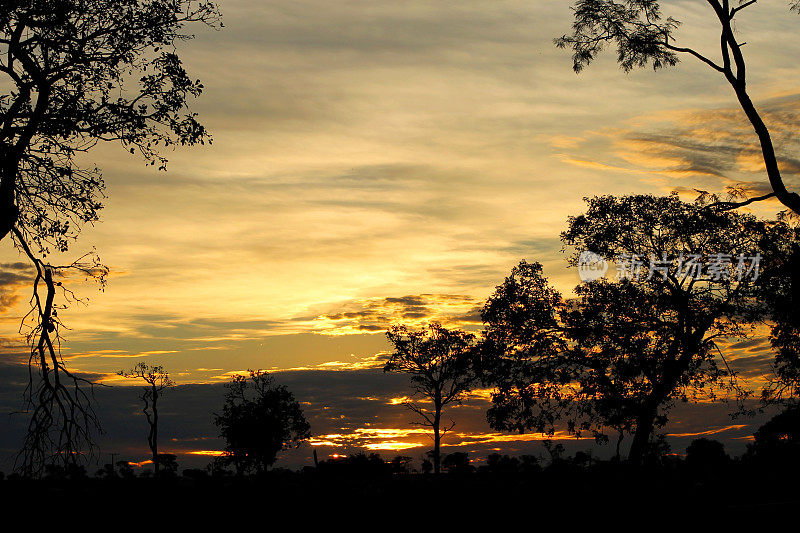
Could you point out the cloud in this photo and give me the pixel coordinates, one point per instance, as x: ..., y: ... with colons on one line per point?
x: 378, y: 314
x: 13, y: 277
x: 696, y: 148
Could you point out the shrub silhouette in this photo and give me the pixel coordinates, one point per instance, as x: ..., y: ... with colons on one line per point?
x: 706, y: 454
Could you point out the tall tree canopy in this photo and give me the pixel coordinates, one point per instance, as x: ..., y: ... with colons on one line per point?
x: 79, y: 72
x: 644, y: 37
x: 621, y: 353
x: 74, y: 73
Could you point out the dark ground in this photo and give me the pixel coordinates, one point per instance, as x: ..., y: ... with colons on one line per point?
x: 603, y: 494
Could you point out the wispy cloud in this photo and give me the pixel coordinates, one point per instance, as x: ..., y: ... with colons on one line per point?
x: 693, y: 148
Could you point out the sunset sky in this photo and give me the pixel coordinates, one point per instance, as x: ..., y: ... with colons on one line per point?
x: 378, y: 162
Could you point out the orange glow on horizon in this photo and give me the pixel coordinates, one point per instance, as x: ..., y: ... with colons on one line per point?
x: 208, y: 453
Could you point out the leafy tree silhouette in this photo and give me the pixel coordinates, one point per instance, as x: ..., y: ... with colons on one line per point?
x: 621, y: 354
x: 439, y: 363
x: 400, y: 464
x: 643, y: 37
x: 125, y: 469
x: 258, y: 420
x: 358, y: 465
x: 75, y: 74
x: 457, y: 463
x: 706, y: 454
x: 158, y: 381
x: 426, y: 466
x: 502, y: 464
x: 780, y: 288
x: 777, y: 442
x: 166, y: 464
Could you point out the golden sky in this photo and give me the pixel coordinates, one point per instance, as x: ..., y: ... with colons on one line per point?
x: 374, y: 150
x: 378, y: 161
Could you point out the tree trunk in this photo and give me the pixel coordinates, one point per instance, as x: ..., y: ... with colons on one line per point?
x: 8, y: 209
x: 644, y: 428
x: 154, y: 444
x: 738, y: 81
x: 619, y: 444
x: 794, y: 265
x: 437, y: 439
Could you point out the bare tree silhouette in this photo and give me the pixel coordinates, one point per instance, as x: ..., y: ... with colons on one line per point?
x: 643, y: 37
x: 439, y: 363
x: 62, y: 413
x: 75, y: 74
x: 157, y: 380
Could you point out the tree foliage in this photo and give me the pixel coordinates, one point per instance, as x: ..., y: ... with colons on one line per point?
x: 620, y: 353
x: 81, y: 72
x: 438, y: 360
x: 780, y: 289
x: 258, y: 420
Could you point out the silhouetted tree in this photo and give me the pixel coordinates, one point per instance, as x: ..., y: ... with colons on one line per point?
x: 75, y: 74
x: 125, y: 469
x: 502, y: 464
x: 426, y: 466
x: 529, y: 464
x: 777, y: 442
x: 258, y: 420
x: 707, y: 454
x: 401, y: 464
x: 195, y: 474
x: 358, y: 465
x: 457, y: 463
x: 555, y: 451
x: 657, y: 451
x: 643, y: 37
x: 157, y: 380
x: 71, y: 472
x: 167, y: 464
x: 78, y: 73
x: 107, y: 472
x: 622, y: 353
x: 439, y: 363
x: 780, y: 288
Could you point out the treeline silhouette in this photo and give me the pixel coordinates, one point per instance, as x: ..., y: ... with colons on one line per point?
x: 703, y: 478
x: 775, y: 448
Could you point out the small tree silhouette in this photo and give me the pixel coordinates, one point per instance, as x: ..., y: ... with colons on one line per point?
x: 706, y: 455
x: 457, y: 463
x: 258, y: 420
x: 157, y: 380
x: 439, y: 363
